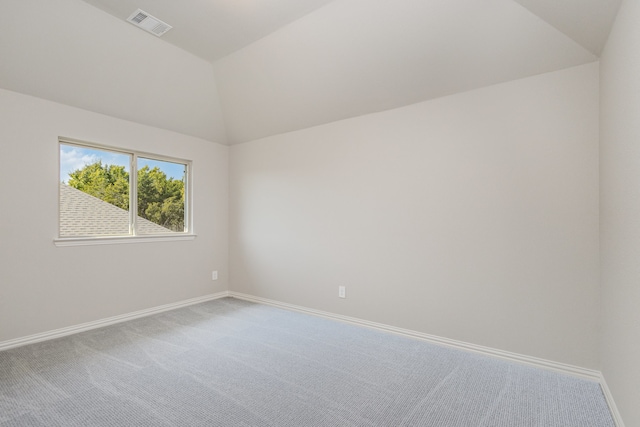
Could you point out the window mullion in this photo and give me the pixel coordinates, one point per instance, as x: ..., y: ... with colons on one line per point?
x: 133, y: 195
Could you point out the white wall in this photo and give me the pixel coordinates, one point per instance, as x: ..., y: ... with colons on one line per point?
x: 70, y: 52
x: 472, y: 217
x: 620, y: 211
x: 44, y: 287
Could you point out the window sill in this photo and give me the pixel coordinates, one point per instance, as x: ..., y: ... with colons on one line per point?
x: 117, y: 240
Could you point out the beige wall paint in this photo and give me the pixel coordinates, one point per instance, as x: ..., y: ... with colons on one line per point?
x: 44, y: 287
x: 620, y: 211
x: 472, y: 217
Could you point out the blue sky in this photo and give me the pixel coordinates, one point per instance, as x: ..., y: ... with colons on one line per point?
x: 172, y: 170
x: 73, y: 158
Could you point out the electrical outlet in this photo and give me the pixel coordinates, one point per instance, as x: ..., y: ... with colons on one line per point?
x: 342, y: 291
x: 214, y: 275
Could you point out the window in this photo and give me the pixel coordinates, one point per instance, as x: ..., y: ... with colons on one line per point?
x: 113, y: 193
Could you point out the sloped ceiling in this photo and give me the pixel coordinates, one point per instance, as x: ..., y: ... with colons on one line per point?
x: 212, y: 29
x: 588, y: 22
x: 69, y: 52
x: 354, y: 57
x: 283, y: 65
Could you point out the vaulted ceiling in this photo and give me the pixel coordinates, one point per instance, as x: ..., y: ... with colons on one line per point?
x: 588, y: 22
x: 354, y: 57
x: 280, y: 65
x: 212, y: 29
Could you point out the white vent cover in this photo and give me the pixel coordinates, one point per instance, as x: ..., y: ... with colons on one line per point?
x: 149, y: 23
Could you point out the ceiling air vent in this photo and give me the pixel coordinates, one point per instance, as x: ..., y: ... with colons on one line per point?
x: 149, y: 23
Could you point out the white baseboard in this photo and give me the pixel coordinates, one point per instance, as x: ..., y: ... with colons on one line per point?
x: 612, y: 404
x: 57, y: 333
x: 589, y: 374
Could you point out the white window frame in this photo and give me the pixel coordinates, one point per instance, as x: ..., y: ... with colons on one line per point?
x: 132, y: 237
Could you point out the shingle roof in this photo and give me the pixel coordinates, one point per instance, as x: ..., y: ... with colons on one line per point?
x: 81, y: 214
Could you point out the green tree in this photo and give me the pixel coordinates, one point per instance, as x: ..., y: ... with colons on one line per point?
x: 160, y: 199
x: 106, y: 182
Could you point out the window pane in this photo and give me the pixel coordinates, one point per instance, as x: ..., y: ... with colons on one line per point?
x: 94, y: 192
x: 161, y: 196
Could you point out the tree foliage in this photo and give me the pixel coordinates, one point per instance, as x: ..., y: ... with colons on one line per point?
x: 160, y: 199
x: 106, y: 182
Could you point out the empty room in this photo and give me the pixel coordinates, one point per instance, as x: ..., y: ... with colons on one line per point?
x: 320, y: 213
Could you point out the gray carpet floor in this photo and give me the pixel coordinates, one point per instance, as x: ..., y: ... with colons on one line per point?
x: 233, y: 363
